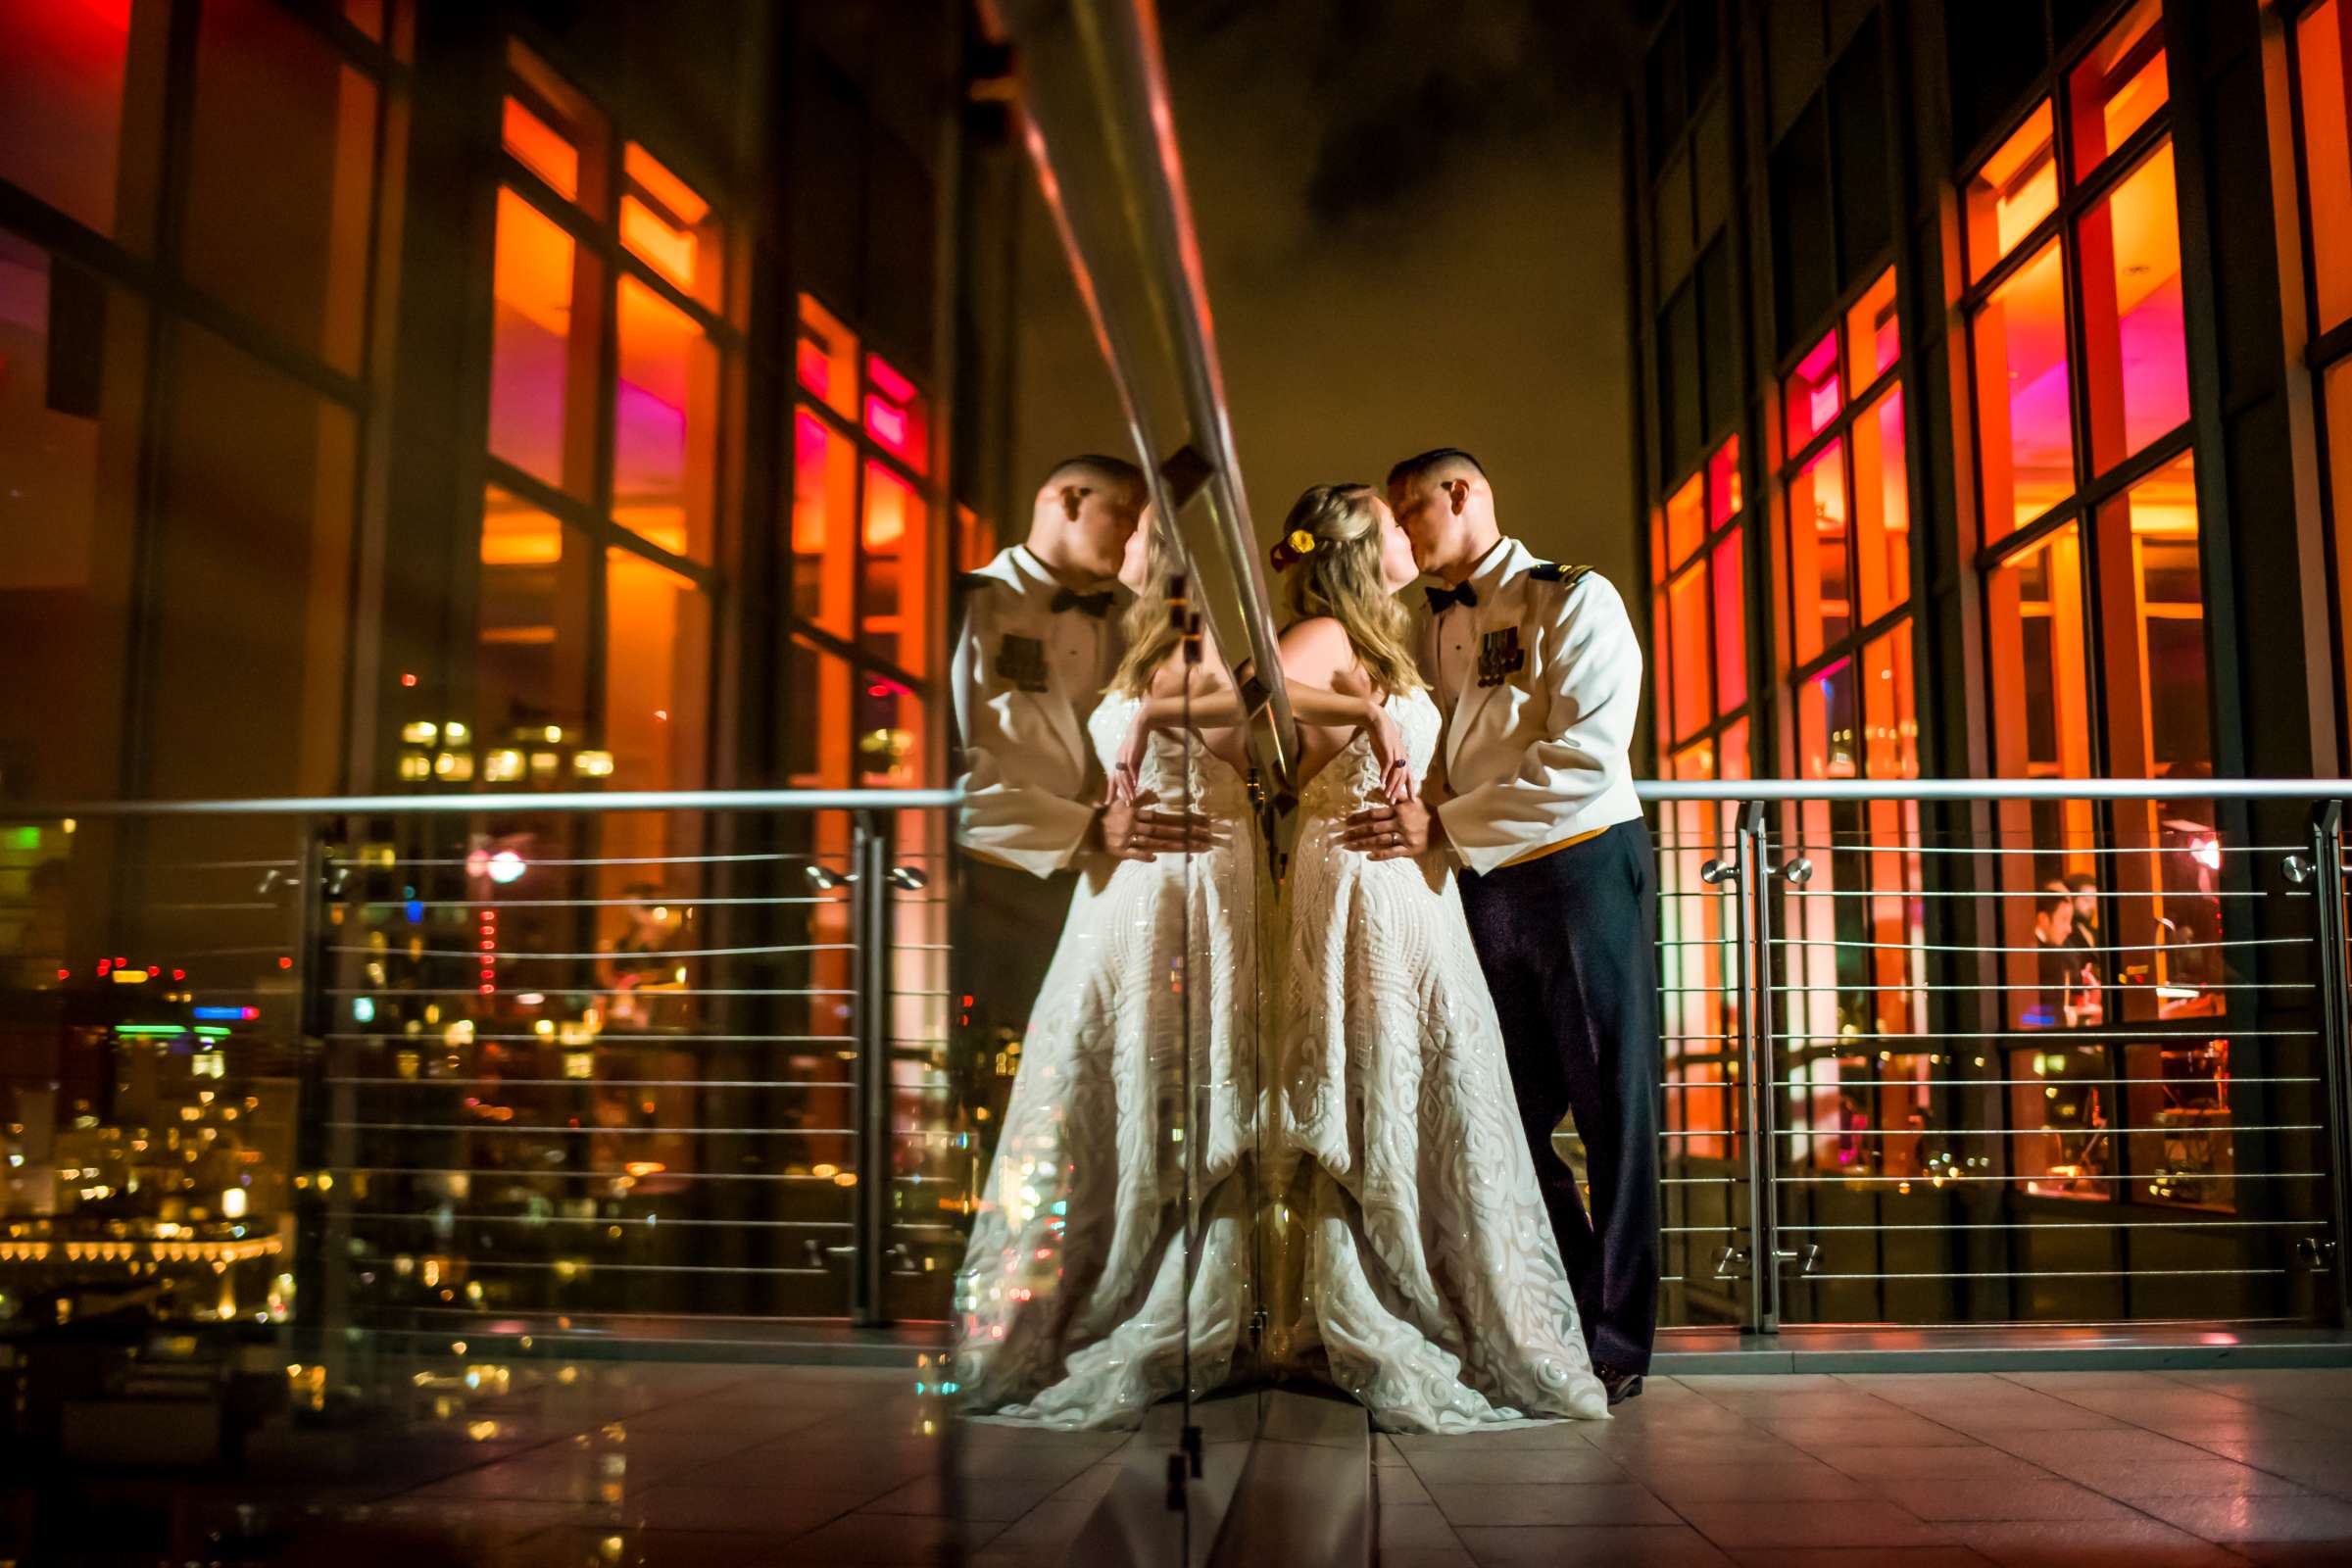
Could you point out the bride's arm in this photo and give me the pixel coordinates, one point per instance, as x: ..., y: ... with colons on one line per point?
x: 1328, y: 688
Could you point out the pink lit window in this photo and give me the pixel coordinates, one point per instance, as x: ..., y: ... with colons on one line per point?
x: 1731, y: 625
x: 895, y: 415
x: 2015, y: 190
x: 1812, y: 393
x: 2025, y: 426
x: 1723, y: 484
x: 2137, y: 353
x: 1821, y: 595
x: 2117, y: 86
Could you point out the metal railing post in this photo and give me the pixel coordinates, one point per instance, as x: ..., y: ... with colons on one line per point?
x: 870, y: 925
x: 322, y: 1300
x: 2335, y: 1034
x: 1754, y: 946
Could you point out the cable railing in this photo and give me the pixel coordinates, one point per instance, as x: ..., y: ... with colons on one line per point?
x: 689, y: 1066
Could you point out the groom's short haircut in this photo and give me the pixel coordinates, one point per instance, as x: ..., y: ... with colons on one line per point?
x: 1094, y: 468
x: 1437, y: 463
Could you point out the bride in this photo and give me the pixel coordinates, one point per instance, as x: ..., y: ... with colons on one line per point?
x: 1431, y: 1287
x: 1072, y: 1301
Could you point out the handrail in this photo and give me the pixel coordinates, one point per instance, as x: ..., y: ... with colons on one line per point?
x: 570, y: 801
x: 1650, y: 791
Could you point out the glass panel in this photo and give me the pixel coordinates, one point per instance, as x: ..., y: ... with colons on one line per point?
x: 542, y: 370
x: 1724, y: 498
x: 250, y: 557
x: 826, y: 359
x: 2016, y: 189
x: 1691, y: 664
x: 530, y: 677
x: 281, y: 170
x: 2136, y: 345
x: 542, y: 149
x: 2323, y: 60
x: 1821, y: 605
x: 2025, y: 427
x: 897, y: 416
x: 666, y: 426
x: 1827, y: 725
x: 1812, y: 393
x: 1731, y: 760
x: 891, y: 586
x: 656, y: 675
x: 1661, y: 667
x: 817, y: 716
x: 1890, y: 716
x: 1686, y: 520
x: 61, y: 119
x: 2040, y: 686
x: 1881, y: 507
x: 1874, y: 336
x: 2118, y: 85
x: 668, y: 227
x: 73, y: 395
x: 824, y: 486
x: 1731, y: 624
x: 2336, y: 398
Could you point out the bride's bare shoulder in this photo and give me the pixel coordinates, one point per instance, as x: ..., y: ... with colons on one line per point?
x: 1316, y: 649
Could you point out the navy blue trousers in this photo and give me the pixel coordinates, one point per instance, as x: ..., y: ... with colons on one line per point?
x: 1566, y: 944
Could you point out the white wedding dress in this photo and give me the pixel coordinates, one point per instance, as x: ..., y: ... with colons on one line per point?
x: 1069, y: 1303
x: 1430, y: 1284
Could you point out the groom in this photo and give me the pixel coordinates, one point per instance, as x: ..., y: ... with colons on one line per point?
x: 1537, y: 670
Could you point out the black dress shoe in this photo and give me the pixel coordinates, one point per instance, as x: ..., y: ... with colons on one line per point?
x: 1622, y: 1385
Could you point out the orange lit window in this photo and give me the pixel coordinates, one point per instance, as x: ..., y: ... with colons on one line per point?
x: 656, y: 675
x: 891, y: 576
x: 1731, y: 750
x: 537, y: 357
x: 1882, y: 508
x: 2152, y: 616
x: 1821, y: 594
x: 533, y: 597
x: 1889, y: 721
x: 542, y: 149
x: 2025, y: 426
x: 1813, y: 394
x: 667, y: 226
x: 824, y: 555
x: 2015, y: 190
x: 2041, y: 680
x: 664, y: 424
x: 2137, y: 368
x: 1661, y: 662
x: 2118, y: 85
x: 2336, y: 396
x: 1827, y: 723
x: 897, y: 416
x: 826, y: 360
x: 1723, y: 484
x: 1686, y: 598
x: 1686, y: 520
x: 2324, y: 60
x: 60, y: 117
x: 1874, y: 338
x: 1731, y: 625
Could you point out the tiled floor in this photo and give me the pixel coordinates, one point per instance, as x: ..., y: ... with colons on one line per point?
x: 2149, y: 1469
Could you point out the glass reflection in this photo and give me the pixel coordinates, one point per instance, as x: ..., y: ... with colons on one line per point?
x: 2024, y: 429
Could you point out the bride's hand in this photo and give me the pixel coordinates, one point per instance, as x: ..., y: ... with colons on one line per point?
x: 1126, y: 773
x: 1388, y: 750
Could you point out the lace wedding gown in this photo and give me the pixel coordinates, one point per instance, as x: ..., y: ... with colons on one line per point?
x: 1068, y: 1305
x: 1431, y: 1286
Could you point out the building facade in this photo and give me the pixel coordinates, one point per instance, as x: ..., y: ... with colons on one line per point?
x: 405, y: 398
x: 1994, y: 422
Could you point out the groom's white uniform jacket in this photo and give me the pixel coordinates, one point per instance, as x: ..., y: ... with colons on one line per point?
x: 1025, y: 678
x: 1543, y: 678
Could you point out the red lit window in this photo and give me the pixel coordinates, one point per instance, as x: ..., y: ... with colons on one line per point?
x: 1813, y: 394
x: 826, y: 359
x: 1874, y: 338
x: 1697, y: 649
x: 60, y: 114
x: 2323, y: 62
x: 897, y: 416
x: 1731, y: 627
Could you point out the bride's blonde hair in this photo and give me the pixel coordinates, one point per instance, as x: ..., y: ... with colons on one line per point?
x: 1331, y: 549
x: 1148, y: 628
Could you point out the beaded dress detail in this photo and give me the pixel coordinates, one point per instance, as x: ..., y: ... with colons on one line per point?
x: 1431, y: 1286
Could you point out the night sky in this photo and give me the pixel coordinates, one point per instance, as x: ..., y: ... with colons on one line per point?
x: 1411, y: 217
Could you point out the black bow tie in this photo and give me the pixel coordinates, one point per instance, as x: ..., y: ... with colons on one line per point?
x: 1095, y: 604
x: 1440, y: 600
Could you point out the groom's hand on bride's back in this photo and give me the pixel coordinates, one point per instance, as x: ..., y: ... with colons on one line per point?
x: 1389, y: 830
x: 1137, y: 828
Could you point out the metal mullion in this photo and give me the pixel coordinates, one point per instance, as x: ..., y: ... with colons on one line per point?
x: 1991, y: 557
x: 2324, y: 350
x: 556, y: 208
x: 355, y: 46
x: 714, y: 327
x: 851, y: 654
x: 559, y: 502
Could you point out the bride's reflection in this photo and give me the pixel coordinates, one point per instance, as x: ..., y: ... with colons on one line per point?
x: 1079, y: 1287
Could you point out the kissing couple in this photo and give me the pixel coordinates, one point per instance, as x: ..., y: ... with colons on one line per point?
x: 1456, y: 955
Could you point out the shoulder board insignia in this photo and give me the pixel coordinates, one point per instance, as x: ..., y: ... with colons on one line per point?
x: 1557, y: 571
